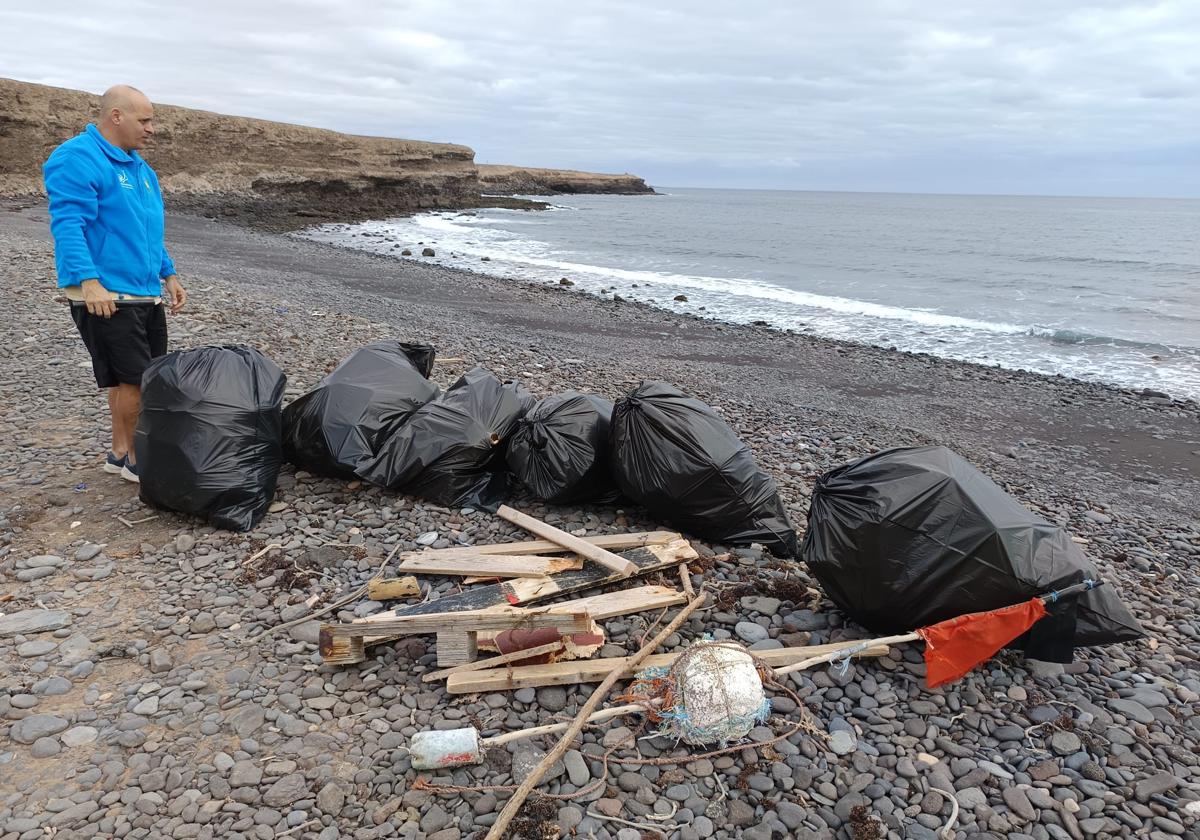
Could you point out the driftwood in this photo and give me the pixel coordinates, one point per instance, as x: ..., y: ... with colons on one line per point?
x: 590, y: 670
x: 569, y: 542
x: 513, y: 805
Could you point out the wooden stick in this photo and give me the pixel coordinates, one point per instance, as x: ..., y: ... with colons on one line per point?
x: 685, y: 577
x: 613, y: 542
x: 850, y: 650
x: 591, y: 670
x: 570, y: 543
x: 555, y: 728
x: 389, y: 589
x: 493, y: 661
x: 513, y: 805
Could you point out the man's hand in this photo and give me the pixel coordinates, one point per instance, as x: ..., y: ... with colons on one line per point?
x: 175, y: 292
x: 99, y: 300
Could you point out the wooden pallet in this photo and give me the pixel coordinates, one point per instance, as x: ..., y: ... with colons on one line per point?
x: 648, y: 558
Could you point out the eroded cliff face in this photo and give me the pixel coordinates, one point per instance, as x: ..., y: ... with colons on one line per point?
x: 274, y: 175
x: 234, y: 164
x: 525, y: 180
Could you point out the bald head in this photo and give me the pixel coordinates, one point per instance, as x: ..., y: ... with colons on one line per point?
x: 126, y: 117
x: 121, y: 97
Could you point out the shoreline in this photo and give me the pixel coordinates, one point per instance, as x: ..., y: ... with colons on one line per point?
x: 1153, y: 395
x: 156, y: 708
x: 1082, y: 347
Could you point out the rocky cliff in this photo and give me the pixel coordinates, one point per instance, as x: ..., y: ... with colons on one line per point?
x: 268, y: 174
x: 524, y: 180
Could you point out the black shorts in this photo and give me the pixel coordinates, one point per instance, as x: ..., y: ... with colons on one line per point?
x: 123, y: 345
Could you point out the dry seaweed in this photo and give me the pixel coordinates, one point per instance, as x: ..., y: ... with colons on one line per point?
x: 863, y: 826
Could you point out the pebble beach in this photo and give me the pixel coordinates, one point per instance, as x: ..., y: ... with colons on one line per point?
x: 146, y: 690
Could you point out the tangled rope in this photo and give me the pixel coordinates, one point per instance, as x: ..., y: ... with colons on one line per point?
x: 707, y: 696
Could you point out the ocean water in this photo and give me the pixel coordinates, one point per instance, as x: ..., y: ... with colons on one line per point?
x: 1106, y: 290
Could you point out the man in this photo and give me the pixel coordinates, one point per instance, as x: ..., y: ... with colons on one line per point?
x: 106, y: 215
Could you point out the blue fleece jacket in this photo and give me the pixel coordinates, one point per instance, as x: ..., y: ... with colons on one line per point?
x: 106, y: 215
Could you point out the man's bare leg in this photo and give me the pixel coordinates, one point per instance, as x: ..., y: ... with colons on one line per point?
x: 126, y: 404
x: 119, y: 447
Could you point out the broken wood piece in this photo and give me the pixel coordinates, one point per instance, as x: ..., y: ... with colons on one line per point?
x: 493, y: 661
x: 389, y: 589
x: 457, y: 647
x: 501, y: 566
x: 591, y: 670
x: 650, y: 558
x: 612, y: 542
x: 570, y: 542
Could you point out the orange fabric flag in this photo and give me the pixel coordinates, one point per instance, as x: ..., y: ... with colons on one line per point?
x: 955, y: 646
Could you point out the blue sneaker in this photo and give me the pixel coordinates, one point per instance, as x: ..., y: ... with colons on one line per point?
x: 129, y: 472
x: 114, y: 465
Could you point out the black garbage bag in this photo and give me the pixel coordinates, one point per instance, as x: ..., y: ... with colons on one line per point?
x: 560, y: 449
x: 208, y: 439
x: 340, y: 424
x: 451, y: 450
x: 909, y: 537
x: 674, y: 455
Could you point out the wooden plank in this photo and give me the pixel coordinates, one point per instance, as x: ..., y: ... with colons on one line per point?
x: 649, y: 558
x: 493, y: 661
x: 613, y: 542
x: 499, y: 619
x: 594, y: 670
x: 389, y: 589
x: 623, y: 602
x: 497, y: 566
x: 568, y: 541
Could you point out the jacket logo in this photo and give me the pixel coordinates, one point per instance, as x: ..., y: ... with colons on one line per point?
x: 124, y: 181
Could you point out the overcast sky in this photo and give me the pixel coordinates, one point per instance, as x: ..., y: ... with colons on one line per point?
x: 1095, y: 97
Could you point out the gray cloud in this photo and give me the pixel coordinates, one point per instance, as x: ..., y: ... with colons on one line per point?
x: 1048, y: 96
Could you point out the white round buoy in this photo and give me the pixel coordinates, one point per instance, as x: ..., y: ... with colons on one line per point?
x: 719, y: 694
